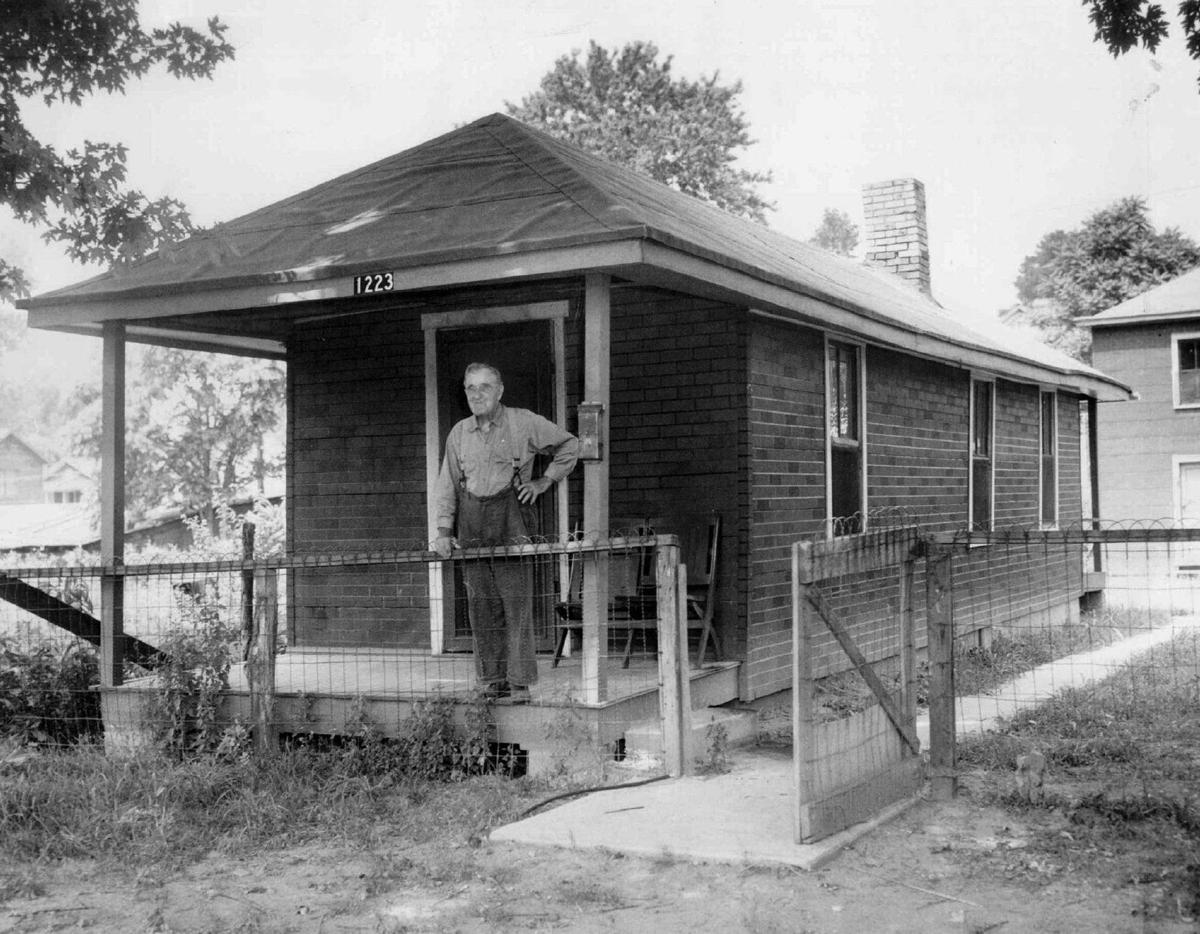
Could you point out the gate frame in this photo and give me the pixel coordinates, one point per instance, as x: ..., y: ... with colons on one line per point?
x: 813, y: 562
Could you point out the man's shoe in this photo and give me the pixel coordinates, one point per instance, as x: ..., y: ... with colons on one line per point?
x: 518, y: 694
x: 495, y: 690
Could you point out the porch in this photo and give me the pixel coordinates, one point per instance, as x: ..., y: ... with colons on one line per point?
x: 602, y: 672
x: 331, y: 692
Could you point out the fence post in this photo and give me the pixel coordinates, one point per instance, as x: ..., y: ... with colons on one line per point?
x: 260, y: 666
x: 674, y: 686
x: 908, y: 673
x: 804, y: 733
x: 939, y: 602
x: 247, y: 590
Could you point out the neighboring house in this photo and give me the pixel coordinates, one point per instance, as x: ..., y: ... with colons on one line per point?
x: 68, y: 481
x: 21, y: 469
x: 792, y: 391
x: 1149, y: 447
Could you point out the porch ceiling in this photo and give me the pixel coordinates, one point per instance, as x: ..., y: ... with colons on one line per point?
x: 497, y: 202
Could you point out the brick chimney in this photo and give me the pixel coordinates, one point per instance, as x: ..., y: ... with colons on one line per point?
x: 896, y: 235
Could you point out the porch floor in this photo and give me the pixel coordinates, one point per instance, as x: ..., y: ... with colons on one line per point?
x: 417, y: 674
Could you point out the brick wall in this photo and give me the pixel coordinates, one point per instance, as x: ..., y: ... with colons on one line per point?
x: 676, y: 427
x: 357, y: 477
x: 787, y: 486
x: 917, y: 457
x: 917, y: 419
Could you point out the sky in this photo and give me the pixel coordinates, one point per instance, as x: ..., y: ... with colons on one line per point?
x: 1015, y: 120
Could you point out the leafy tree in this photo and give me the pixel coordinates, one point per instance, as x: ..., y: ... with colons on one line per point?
x: 837, y: 233
x: 1124, y: 24
x: 628, y: 107
x: 196, y: 429
x: 63, y: 51
x: 1116, y: 254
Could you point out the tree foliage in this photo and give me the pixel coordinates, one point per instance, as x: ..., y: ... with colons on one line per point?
x: 628, y: 107
x: 63, y: 51
x: 837, y: 233
x: 196, y: 429
x: 1122, y: 25
x: 1114, y: 255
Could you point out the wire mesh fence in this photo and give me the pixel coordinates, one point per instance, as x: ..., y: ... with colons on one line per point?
x: 1019, y: 633
x: 552, y: 651
x: 1111, y: 650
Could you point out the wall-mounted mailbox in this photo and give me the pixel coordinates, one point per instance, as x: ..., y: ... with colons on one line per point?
x: 591, y: 431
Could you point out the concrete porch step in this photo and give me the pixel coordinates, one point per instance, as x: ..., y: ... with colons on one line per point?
x: 710, y: 726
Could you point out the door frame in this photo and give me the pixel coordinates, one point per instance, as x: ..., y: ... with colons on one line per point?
x: 554, y: 312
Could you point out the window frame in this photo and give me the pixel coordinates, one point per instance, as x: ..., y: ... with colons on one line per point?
x: 836, y: 443
x: 1049, y: 458
x: 1177, y: 369
x: 978, y: 380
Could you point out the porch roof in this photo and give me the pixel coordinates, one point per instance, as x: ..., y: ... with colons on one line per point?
x: 496, y: 201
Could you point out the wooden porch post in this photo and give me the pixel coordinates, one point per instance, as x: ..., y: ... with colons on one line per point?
x: 112, y: 504
x: 597, y: 360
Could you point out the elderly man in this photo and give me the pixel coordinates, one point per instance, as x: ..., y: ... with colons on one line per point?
x: 484, y: 491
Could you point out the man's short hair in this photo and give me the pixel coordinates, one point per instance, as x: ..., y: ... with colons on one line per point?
x: 475, y: 367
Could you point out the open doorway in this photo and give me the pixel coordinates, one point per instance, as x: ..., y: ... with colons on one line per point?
x: 524, y: 353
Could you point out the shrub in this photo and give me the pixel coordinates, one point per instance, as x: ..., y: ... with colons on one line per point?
x: 45, y: 692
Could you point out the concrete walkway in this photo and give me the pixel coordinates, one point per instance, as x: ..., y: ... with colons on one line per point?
x: 742, y: 816
x: 745, y: 816
x: 982, y: 712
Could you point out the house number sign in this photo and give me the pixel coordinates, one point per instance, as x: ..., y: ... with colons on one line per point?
x: 373, y: 283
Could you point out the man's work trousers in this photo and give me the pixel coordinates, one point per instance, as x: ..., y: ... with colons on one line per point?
x: 499, y: 590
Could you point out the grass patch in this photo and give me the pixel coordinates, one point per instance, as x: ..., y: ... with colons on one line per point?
x: 152, y: 809
x: 1122, y: 804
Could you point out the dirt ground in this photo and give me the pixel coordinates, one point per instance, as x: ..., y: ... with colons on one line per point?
x: 957, y: 867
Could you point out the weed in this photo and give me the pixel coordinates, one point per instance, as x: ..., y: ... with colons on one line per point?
x: 199, y: 653
x: 716, y: 746
x: 576, y: 748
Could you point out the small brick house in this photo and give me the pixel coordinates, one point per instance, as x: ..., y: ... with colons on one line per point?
x: 793, y: 392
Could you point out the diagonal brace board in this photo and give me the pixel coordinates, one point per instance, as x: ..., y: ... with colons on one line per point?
x: 77, y: 622
x: 880, y: 691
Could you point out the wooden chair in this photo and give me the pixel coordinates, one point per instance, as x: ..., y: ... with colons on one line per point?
x: 631, y: 605
x: 632, y: 597
x: 701, y: 548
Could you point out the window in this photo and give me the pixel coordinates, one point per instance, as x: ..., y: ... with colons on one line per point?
x: 844, y: 397
x: 982, y: 435
x: 1049, y: 458
x: 1186, y: 365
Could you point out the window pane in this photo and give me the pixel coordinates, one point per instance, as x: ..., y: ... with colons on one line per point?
x: 843, y: 391
x: 1189, y: 355
x: 981, y: 494
x: 846, y: 487
x: 1189, y: 386
x: 981, y: 441
x: 1049, y: 502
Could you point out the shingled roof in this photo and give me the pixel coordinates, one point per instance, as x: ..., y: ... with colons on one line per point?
x: 497, y: 200
x: 1177, y: 298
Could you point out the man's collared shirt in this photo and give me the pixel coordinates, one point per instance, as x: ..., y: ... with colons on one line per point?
x: 489, y: 458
